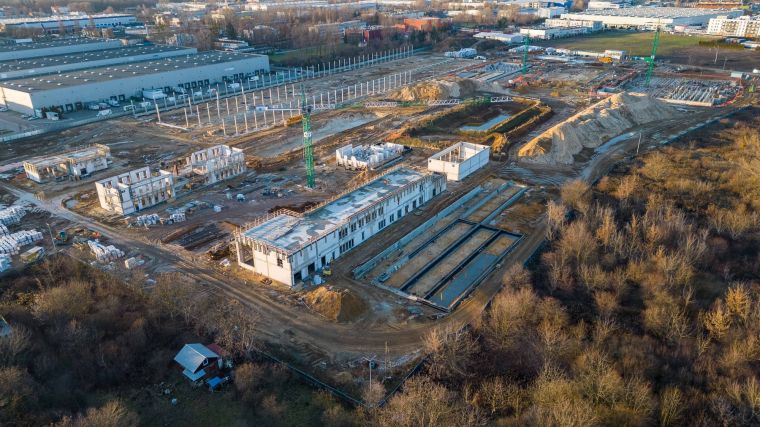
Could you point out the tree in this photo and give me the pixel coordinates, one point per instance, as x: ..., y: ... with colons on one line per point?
x: 230, y: 31
x: 451, y: 349
x: 576, y: 194
x: 13, y: 346
x: 17, y: 389
x: 112, y: 414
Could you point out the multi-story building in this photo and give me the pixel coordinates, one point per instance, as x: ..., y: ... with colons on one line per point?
x: 136, y: 190
x: 569, y: 23
x: 544, y: 33
x: 73, y: 164
x: 289, y: 247
x: 651, y: 17
x: 217, y: 163
x: 743, y: 26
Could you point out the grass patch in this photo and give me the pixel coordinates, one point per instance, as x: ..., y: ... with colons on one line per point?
x: 635, y: 43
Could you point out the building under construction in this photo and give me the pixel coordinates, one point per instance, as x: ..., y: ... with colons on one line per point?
x: 135, y: 190
x: 216, y: 163
x: 70, y: 165
x: 460, y: 160
x: 289, y: 247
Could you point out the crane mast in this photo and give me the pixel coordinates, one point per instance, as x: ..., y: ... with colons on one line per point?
x: 650, y: 61
x: 308, y: 148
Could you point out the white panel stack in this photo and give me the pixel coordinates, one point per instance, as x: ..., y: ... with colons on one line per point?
x: 12, y: 243
x: 12, y: 215
x: 4, y: 230
x: 151, y: 219
x: 177, y: 217
x: 104, y: 253
x: 5, y: 262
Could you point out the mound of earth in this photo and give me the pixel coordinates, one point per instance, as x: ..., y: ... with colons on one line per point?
x: 594, y: 126
x: 336, y: 305
x: 428, y: 91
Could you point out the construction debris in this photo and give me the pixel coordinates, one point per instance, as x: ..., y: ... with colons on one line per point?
x: 336, y: 305
x: 428, y: 91
x: 594, y: 126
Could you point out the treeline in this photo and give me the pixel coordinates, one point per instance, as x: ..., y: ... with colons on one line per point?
x: 643, y: 310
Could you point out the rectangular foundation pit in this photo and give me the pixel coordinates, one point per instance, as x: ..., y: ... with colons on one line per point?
x: 424, y: 284
x: 427, y: 253
x: 458, y: 286
x: 493, y: 204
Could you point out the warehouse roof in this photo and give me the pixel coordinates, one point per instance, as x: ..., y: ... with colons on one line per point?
x: 650, y: 12
x: 122, y: 71
x: 55, y: 43
x: 290, y: 233
x: 59, y: 18
x: 84, y: 57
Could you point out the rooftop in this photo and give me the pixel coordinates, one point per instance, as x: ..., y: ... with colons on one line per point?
x: 56, y: 43
x: 122, y: 71
x: 91, y: 151
x: 84, y: 57
x: 57, y: 18
x: 290, y: 233
x: 650, y: 12
x: 192, y: 356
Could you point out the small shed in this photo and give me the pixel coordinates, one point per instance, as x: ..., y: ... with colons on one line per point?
x: 196, y: 360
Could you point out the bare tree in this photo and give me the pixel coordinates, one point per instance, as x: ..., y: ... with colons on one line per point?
x: 112, y: 414
x: 451, y: 349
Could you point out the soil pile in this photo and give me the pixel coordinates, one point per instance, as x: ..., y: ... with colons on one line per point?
x: 594, y: 126
x: 428, y: 91
x: 336, y: 305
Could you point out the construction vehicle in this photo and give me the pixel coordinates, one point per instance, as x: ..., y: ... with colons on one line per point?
x: 327, y: 270
x: 606, y: 60
x: 62, y: 238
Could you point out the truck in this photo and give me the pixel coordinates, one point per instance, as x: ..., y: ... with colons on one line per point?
x: 153, y: 94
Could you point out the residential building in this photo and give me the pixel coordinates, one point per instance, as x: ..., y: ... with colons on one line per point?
x: 289, y: 247
x: 743, y: 26
x: 70, y: 165
x: 136, y: 190
x: 217, y: 163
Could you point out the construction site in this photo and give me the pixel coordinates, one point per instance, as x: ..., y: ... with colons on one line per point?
x: 354, y: 210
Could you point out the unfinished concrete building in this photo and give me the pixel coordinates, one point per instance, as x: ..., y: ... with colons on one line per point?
x: 217, y: 163
x: 136, y: 190
x: 70, y: 165
x: 459, y: 160
x: 367, y: 156
x: 289, y: 247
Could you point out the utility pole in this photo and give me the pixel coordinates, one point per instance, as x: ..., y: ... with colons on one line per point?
x: 639, y: 144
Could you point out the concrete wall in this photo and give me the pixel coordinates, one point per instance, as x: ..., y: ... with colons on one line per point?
x: 475, y: 157
x: 124, y: 88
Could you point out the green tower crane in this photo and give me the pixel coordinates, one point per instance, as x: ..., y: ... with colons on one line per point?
x: 650, y: 60
x: 526, y: 46
x: 308, y: 148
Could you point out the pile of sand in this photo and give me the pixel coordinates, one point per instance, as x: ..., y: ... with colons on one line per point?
x: 336, y: 305
x: 594, y: 126
x: 432, y: 90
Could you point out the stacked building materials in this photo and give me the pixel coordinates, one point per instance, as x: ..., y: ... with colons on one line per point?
x: 177, y: 217
x: 5, y: 262
x: 151, y: 219
x: 4, y: 230
x: 12, y: 243
x: 133, y: 262
x: 104, y: 253
x: 12, y: 215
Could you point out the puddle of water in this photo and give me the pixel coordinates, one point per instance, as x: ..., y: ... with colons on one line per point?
x: 485, y: 126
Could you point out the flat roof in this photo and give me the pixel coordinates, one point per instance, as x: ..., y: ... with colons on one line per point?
x: 78, y: 154
x: 55, y: 43
x: 57, y: 18
x: 122, y: 71
x: 651, y: 12
x: 290, y: 233
x: 84, y: 57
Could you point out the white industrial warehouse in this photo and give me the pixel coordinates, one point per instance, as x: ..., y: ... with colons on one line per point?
x: 19, y: 51
x: 289, y: 247
x: 71, y: 22
x: 84, y: 60
x: 460, y: 160
x: 73, y: 90
x: 133, y: 191
x: 651, y: 17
